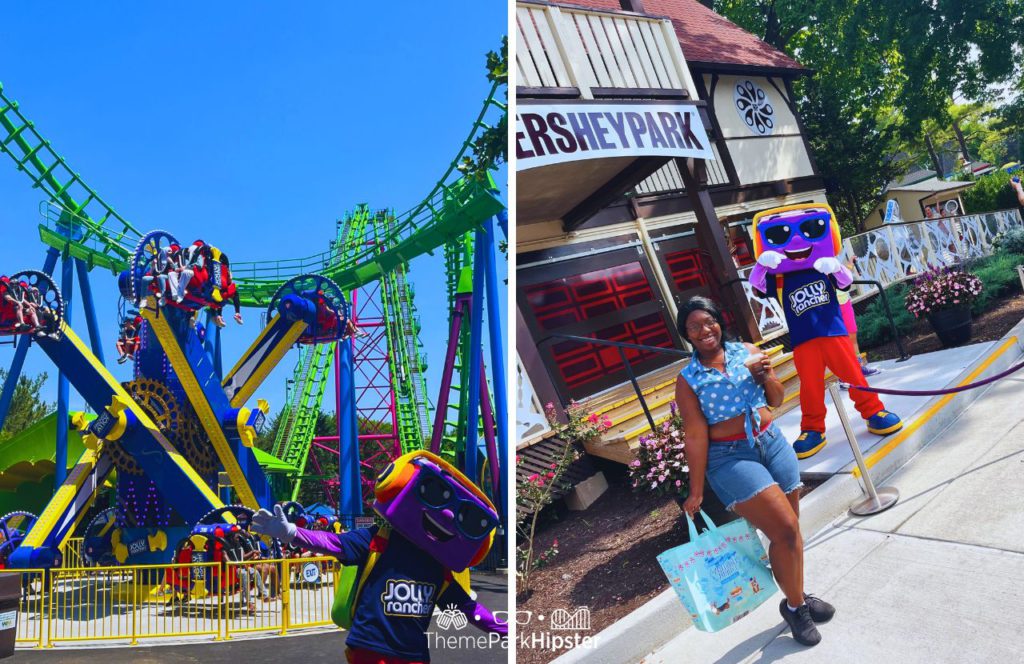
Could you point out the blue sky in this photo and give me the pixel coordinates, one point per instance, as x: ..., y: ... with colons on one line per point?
x: 253, y: 129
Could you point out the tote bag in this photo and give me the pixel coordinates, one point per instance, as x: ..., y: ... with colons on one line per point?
x: 721, y: 574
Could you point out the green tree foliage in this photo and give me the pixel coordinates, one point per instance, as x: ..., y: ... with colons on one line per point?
x: 990, y: 192
x: 490, y: 149
x: 881, y: 69
x: 27, y: 406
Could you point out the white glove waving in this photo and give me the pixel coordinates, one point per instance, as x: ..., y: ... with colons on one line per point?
x: 770, y: 259
x: 828, y: 265
x: 275, y: 525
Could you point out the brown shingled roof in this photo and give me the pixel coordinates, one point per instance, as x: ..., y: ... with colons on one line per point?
x: 706, y: 36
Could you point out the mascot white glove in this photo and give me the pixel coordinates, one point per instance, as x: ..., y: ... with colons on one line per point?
x: 771, y: 259
x: 275, y: 525
x: 828, y: 265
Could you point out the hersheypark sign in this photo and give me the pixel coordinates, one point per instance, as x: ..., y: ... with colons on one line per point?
x: 556, y: 133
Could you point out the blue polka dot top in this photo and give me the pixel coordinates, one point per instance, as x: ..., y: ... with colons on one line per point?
x: 724, y: 396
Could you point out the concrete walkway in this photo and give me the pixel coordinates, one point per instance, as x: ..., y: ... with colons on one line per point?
x: 934, y: 579
x: 929, y: 369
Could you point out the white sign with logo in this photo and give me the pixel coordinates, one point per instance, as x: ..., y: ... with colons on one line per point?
x: 754, y: 108
x: 8, y: 620
x: 557, y: 133
x: 310, y: 572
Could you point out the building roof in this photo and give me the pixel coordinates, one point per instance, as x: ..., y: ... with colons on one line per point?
x: 707, y: 37
x: 933, y: 185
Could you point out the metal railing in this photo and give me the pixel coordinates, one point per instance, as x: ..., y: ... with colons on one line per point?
x: 147, y: 602
x: 594, y: 50
x: 622, y: 346
x: 71, y: 553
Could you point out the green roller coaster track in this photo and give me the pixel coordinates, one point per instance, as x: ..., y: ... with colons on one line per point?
x: 295, y: 435
x: 79, y: 223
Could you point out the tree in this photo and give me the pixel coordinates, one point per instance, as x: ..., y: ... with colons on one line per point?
x: 27, y: 406
x: 490, y: 148
x: 882, y: 68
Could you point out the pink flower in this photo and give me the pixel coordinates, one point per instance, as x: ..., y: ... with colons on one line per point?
x: 533, y: 478
x: 593, y: 418
x: 553, y: 466
x: 554, y: 543
x: 550, y: 476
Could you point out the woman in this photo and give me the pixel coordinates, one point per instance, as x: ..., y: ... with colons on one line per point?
x: 751, y: 467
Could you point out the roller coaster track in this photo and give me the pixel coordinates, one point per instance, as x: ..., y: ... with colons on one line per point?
x: 78, y: 222
x: 295, y: 436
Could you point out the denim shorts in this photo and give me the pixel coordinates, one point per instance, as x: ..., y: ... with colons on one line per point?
x: 740, y: 469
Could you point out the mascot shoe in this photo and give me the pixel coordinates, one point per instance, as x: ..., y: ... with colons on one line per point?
x: 883, y: 423
x: 808, y: 444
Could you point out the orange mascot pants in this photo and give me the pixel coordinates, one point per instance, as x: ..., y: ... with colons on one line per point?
x: 811, y: 359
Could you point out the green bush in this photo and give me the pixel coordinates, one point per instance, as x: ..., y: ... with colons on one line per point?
x: 873, y: 328
x: 1012, y: 241
x: 998, y: 273
x: 990, y: 192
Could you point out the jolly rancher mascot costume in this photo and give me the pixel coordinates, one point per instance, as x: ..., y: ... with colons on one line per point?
x: 438, y: 524
x: 797, y: 249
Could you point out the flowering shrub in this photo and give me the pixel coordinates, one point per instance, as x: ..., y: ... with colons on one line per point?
x: 581, y: 427
x: 535, y: 487
x: 661, y: 465
x: 936, y: 290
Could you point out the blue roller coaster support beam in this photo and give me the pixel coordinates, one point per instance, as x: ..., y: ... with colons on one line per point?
x: 350, y: 499
x: 471, y: 462
x: 503, y: 222
x: 90, y: 310
x: 497, y: 336
x: 22, y: 350
x: 67, y: 283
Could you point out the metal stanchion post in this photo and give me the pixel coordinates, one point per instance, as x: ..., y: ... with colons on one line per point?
x: 877, y: 500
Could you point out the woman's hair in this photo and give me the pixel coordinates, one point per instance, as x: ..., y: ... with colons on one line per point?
x: 700, y: 303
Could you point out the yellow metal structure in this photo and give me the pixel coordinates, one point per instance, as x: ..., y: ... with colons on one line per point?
x: 195, y: 395
x: 82, y: 470
x: 272, y: 359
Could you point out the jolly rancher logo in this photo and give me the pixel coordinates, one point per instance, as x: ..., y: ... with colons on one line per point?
x: 808, y: 296
x: 409, y: 599
x: 555, y: 133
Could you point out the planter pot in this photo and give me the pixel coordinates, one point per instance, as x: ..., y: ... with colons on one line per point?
x: 953, y: 326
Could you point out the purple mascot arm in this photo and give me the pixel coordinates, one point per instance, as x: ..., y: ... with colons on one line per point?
x: 349, y: 548
x: 482, y: 618
x: 758, y: 279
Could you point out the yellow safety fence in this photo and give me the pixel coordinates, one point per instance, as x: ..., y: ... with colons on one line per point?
x: 134, y: 603
x: 71, y: 553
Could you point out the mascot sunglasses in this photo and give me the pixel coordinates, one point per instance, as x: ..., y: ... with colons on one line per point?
x: 435, y: 492
x: 812, y: 226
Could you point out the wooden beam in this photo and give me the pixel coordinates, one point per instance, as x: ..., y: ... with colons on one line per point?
x: 636, y: 172
x: 711, y: 236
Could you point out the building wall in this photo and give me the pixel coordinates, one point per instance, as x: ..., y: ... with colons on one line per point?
x: 771, y: 153
x: 910, y: 206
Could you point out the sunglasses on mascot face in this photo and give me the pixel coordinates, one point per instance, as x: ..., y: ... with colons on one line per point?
x: 812, y: 228
x: 437, y: 493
